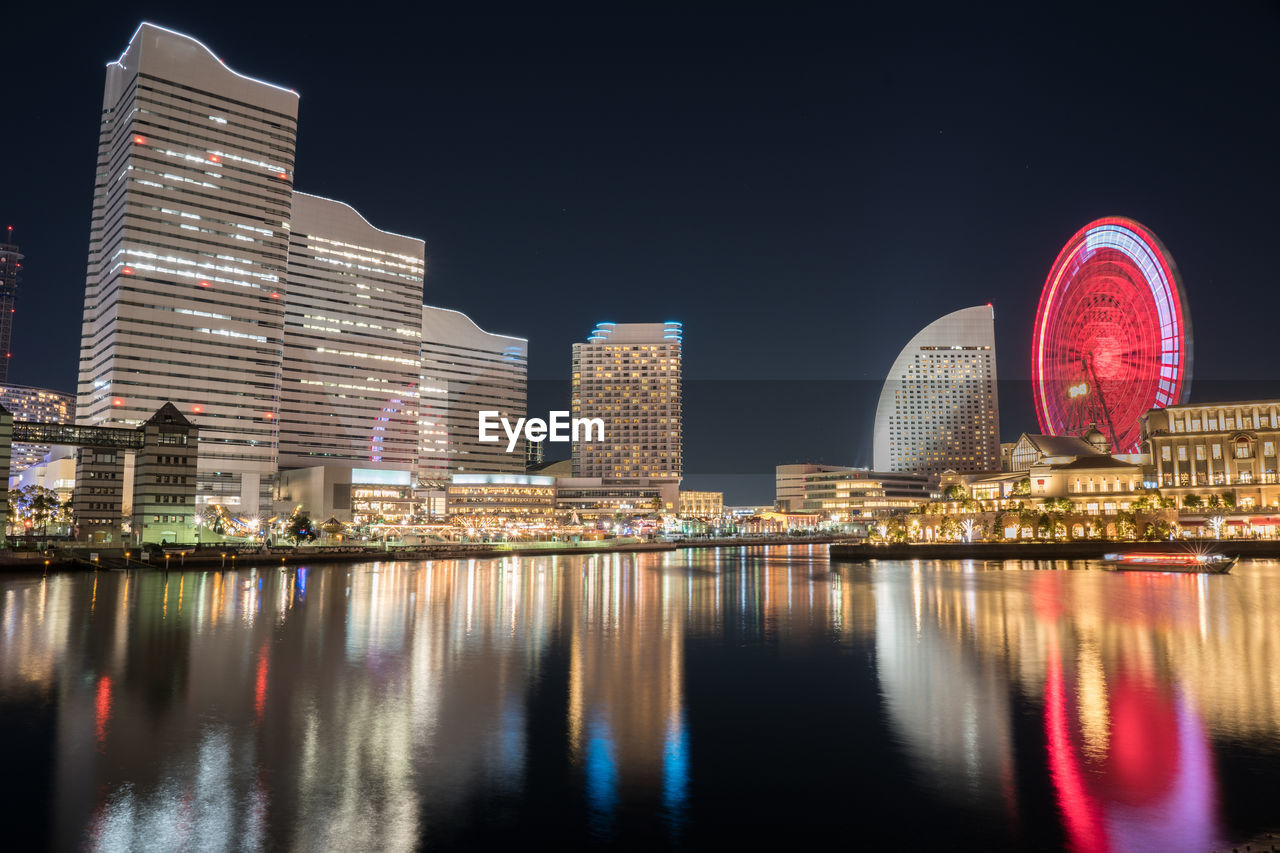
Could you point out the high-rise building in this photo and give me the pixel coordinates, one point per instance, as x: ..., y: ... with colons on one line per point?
x: 938, y: 408
x: 39, y: 405
x: 466, y: 370
x: 10, y: 271
x: 185, y: 291
x: 629, y: 375
x: 352, y: 328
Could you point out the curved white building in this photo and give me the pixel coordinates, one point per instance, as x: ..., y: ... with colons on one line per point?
x: 938, y: 409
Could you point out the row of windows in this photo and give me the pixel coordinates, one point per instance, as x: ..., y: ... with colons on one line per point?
x: 1241, y: 449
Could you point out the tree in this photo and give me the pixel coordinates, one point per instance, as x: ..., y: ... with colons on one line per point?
x: 1022, y: 487
x: 1125, y: 524
x: 300, y: 527
x: 1059, y: 505
x: 1027, y: 519
x: 1191, y: 501
x: 1228, y: 500
x: 36, y: 506
x: 955, y: 492
x: 949, y: 529
x: 1151, y: 500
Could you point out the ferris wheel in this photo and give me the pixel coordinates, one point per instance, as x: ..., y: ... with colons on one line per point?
x: 1112, y: 336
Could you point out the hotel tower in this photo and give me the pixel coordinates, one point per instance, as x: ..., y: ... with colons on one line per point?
x: 938, y: 408
x: 189, y: 240
x: 629, y: 375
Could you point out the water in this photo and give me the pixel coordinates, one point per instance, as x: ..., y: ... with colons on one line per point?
x: 736, y: 696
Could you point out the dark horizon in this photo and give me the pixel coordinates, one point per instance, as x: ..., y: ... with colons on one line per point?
x: 804, y: 191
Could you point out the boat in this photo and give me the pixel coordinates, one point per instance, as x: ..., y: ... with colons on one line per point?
x: 1213, y: 564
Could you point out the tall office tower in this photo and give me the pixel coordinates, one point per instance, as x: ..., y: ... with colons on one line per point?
x: 40, y: 405
x: 10, y: 269
x: 629, y: 376
x: 938, y: 408
x: 466, y: 370
x: 185, y: 293
x: 352, y: 327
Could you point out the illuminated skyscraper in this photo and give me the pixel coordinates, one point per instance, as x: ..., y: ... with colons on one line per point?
x: 352, y: 327
x: 184, y: 293
x: 466, y: 370
x: 630, y: 376
x: 10, y: 270
x: 938, y: 408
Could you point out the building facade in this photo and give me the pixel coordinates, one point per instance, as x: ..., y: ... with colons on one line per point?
x: 164, y: 480
x: 491, y: 500
x: 939, y: 408
x: 629, y: 376
x: 789, y: 483
x: 1213, y: 448
x: 185, y: 290
x: 358, y: 496
x: 856, y: 494
x: 42, y: 405
x: 464, y: 371
x: 1031, y: 448
x: 591, y: 500
x: 707, y: 505
x: 352, y: 329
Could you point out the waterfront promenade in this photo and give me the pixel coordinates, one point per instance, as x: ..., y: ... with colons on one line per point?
x: 82, y: 558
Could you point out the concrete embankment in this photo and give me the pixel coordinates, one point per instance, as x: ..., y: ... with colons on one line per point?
x: 203, y: 559
x: 1085, y: 549
x: 229, y: 558
x: 751, y: 542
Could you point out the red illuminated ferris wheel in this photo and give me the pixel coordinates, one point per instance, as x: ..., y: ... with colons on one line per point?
x: 1112, y: 337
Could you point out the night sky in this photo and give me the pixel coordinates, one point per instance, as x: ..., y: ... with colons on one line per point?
x: 804, y: 190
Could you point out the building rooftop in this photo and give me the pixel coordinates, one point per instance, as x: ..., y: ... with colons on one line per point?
x: 1061, y: 445
x: 1093, y: 462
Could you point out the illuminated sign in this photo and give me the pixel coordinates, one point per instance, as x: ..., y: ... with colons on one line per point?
x: 1078, y: 390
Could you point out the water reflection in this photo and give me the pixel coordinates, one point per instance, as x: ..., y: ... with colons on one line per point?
x: 391, y: 705
x: 1134, y: 673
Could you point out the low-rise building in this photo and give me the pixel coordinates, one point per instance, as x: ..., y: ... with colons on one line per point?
x: 495, y: 500
x: 789, y: 482
x: 1095, y: 485
x: 164, y: 480
x: 707, y: 505
x: 592, y: 499
x: 854, y: 494
x: 351, y: 495
x: 772, y: 522
x: 1031, y: 448
x: 1215, y: 448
